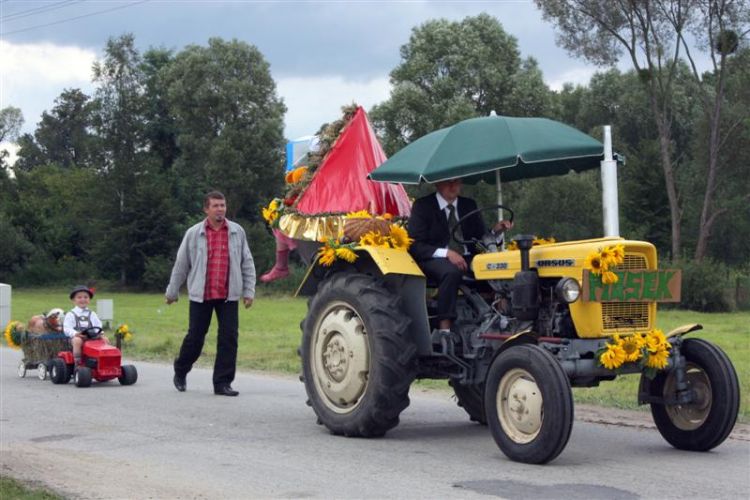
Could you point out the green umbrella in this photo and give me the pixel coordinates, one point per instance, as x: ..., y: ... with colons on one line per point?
x: 520, y: 148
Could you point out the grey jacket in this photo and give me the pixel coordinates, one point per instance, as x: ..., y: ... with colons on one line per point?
x: 191, y: 264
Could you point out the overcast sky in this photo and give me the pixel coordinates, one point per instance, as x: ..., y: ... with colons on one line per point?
x: 323, y: 54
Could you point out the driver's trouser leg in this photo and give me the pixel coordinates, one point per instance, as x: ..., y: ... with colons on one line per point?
x: 448, y: 277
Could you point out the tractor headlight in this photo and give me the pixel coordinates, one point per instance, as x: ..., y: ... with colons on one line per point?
x: 568, y: 290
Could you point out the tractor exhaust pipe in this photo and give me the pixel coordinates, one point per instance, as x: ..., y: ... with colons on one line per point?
x: 610, y: 202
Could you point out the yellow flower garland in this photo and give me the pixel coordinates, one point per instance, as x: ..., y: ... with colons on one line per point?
x: 651, y: 349
x: 12, y: 334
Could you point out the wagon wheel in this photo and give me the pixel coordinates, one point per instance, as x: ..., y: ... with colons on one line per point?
x: 41, y: 371
x: 22, y: 368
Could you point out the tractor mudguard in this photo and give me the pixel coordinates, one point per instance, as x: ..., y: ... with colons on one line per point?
x: 684, y: 329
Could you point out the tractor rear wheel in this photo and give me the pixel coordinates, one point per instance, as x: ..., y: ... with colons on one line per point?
x: 529, y: 404
x: 471, y: 399
x: 357, y: 360
x: 129, y: 375
x: 59, y: 372
x: 705, y: 423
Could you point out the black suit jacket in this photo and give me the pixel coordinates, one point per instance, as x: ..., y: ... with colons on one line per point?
x: 428, y: 226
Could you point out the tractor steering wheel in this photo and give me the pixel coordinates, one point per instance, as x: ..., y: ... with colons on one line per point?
x: 489, y: 241
x: 93, y: 332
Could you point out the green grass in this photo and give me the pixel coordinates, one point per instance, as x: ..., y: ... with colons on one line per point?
x: 270, y: 335
x: 11, y: 489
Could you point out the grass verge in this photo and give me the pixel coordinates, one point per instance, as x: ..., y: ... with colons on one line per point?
x: 270, y: 335
x: 17, y: 490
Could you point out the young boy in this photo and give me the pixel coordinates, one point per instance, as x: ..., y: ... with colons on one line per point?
x: 78, y: 319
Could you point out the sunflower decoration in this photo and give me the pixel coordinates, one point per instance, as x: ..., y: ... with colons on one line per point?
x: 399, y: 237
x: 124, y: 333
x: 538, y: 241
x: 613, y: 355
x: 13, y: 334
x: 650, y: 350
x: 333, y: 249
x: 600, y: 262
x: 272, y: 211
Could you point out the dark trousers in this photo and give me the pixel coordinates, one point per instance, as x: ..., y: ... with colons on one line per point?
x: 226, y: 344
x: 448, y: 277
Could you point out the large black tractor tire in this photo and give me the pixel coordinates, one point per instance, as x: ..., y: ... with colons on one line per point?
x: 705, y: 423
x: 59, y: 372
x: 529, y: 404
x: 129, y: 375
x: 357, y: 359
x: 471, y: 399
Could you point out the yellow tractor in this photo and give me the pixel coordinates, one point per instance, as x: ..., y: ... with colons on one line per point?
x: 532, y: 323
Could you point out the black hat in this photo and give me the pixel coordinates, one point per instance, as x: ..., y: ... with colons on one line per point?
x: 81, y: 288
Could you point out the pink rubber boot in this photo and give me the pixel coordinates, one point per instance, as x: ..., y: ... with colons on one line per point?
x: 280, y: 269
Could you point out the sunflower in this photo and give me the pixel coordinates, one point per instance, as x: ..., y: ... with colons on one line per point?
x: 658, y: 359
x: 594, y: 263
x: 346, y: 253
x: 656, y: 340
x: 400, y: 237
x: 327, y: 255
x: 362, y: 214
x: 633, y: 347
x: 618, y: 253
x: 372, y: 239
x: 613, y: 357
x: 12, y: 334
x: 608, y: 278
x: 607, y: 256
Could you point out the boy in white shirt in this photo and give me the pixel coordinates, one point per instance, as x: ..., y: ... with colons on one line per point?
x: 79, y: 319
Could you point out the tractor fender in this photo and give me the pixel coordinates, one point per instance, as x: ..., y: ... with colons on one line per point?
x: 684, y: 329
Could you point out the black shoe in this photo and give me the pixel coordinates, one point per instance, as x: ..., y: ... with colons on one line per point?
x: 179, y: 382
x: 225, y: 390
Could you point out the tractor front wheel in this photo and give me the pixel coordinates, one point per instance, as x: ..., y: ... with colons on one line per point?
x: 82, y: 376
x: 707, y: 421
x: 529, y: 404
x: 357, y: 359
x: 129, y: 375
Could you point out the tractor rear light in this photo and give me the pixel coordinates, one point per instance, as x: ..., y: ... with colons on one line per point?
x: 568, y: 290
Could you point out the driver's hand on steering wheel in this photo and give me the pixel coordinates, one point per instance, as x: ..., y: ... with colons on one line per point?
x: 457, y: 260
x: 502, y: 226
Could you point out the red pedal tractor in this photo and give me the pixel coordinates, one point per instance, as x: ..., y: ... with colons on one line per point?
x: 99, y: 361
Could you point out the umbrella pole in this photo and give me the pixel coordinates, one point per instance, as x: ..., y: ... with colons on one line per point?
x: 499, y: 187
x: 610, y: 202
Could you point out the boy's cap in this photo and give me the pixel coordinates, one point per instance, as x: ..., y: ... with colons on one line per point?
x: 81, y: 288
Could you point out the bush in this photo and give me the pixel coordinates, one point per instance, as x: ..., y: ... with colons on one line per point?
x: 44, y: 270
x: 156, y: 274
x: 706, y: 286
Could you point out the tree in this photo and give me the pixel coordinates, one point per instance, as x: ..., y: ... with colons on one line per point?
x: 653, y: 34
x: 230, y: 124
x: 451, y: 71
x: 120, y: 124
x: 11, y: 120
x: 64, y: 136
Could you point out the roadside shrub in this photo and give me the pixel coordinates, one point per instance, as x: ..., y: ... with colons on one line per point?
x: 156, y: 273
x: 44, y: 270
x: 706, y: 286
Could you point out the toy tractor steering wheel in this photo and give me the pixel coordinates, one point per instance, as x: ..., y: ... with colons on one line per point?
x: 93, y: 332
x: 489, y: 241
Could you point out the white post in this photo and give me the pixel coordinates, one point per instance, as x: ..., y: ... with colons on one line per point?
x: 610, y: 203
x: 105, y: 309
x: 5, y: 296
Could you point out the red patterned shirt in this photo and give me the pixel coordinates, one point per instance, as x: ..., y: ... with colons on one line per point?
x: 217, y: 266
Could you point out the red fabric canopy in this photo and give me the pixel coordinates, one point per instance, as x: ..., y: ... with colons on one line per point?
x: 340, y: 184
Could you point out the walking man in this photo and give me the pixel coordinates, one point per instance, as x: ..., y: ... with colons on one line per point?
x: 215, y: 259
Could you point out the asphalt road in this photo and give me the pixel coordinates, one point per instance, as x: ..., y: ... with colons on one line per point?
x: 149, y: 441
